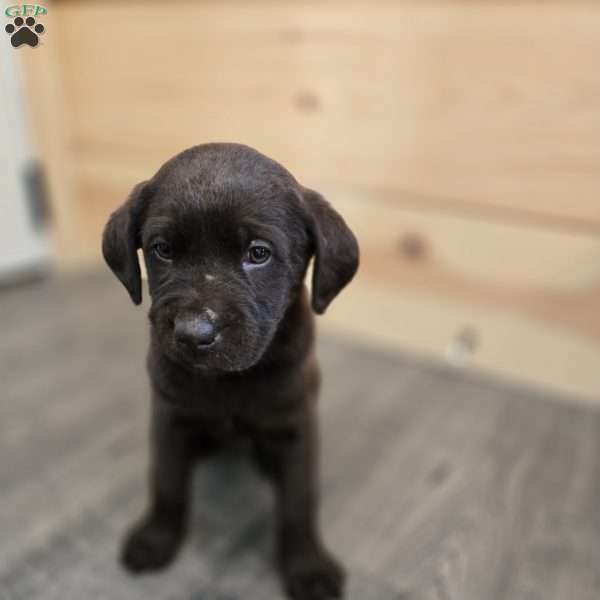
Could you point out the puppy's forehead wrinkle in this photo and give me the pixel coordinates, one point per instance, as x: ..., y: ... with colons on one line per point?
x: 189, y: 187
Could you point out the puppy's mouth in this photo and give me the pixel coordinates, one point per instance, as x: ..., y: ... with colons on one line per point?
x: 208, y: 346
x: 201, y: 355
x: 220, y: 356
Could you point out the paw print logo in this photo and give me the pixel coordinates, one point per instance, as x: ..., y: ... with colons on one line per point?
x: 24, y: 32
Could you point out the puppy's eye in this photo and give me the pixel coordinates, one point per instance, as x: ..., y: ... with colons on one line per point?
x: 162, y: 250
x: 259, y: 253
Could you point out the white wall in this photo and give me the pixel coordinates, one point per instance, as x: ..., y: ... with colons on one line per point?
x: 22, y: 246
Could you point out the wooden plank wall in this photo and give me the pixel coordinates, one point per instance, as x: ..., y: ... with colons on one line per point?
x: 460, y: 139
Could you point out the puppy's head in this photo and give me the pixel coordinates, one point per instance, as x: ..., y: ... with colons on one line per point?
x: 227, y: 235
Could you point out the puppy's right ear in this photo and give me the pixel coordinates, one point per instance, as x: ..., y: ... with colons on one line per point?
x: 120, y: 242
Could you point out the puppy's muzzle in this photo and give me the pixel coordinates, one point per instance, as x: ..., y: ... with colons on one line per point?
x: 196, y: 332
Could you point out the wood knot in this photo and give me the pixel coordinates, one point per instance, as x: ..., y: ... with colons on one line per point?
x: 413, y: 246
x: 307, y: 101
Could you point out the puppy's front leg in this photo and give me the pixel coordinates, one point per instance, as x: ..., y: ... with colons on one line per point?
x: 291, y: 462
x: 154, y: 541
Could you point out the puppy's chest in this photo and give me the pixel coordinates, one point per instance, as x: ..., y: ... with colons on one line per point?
x: 206, y: 438
x: 239, y: 409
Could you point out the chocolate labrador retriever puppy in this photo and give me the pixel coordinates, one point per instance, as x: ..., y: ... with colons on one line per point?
x: 227, y: 235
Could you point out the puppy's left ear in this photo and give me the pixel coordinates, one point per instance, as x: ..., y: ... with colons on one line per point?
x: 335, y: 247
x: 121, y: 240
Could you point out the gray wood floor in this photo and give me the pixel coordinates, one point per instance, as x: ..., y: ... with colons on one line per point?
x: 435, y: 485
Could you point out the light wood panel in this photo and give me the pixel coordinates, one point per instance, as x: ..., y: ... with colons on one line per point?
x: 484, y: 104
x: 520, y: 301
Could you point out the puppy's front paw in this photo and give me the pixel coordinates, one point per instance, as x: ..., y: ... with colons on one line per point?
x: 313, y: 576
x: 150, y: 546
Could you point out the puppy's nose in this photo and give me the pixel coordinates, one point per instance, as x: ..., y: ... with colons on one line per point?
x: 198, y: 331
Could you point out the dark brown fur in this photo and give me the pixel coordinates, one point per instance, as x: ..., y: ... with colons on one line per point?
x: 258, y: 379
